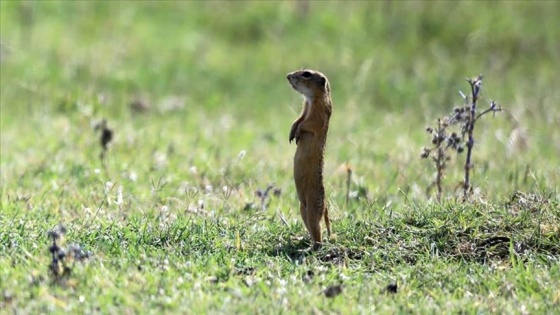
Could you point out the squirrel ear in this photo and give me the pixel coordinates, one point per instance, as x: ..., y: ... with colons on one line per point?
x: 325, y: 84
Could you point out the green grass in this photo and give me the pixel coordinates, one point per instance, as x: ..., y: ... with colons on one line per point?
x: 172, y: 217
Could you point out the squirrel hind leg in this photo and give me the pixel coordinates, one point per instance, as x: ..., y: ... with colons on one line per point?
x: 327, y: 221
x: 314, y: 216
x: 315, y: 231
x: 303, y: 212
x: 317, y: 246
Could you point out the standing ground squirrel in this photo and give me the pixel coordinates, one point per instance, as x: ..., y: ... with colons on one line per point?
x: 310, y: 133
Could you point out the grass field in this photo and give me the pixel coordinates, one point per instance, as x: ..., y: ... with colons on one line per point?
x: 196, y: 96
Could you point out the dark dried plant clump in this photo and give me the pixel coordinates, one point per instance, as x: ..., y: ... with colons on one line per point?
x: 455, y: 132
x: 391, y: 288
x: 63, y: 259
x: 105, y: 137
x: 333, y: 291
x: 139, y: 105
x: 57, y: 267
x: 264, y: 195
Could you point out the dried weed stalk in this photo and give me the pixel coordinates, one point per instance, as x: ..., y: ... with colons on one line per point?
x: 348, y: 182
x: 456, y: 132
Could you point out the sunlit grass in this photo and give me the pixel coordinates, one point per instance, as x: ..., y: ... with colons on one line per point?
x: 172, y: 216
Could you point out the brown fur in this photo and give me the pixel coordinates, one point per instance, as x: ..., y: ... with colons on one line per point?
x: 310, y: 133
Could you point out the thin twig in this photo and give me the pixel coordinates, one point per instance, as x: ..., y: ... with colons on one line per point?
x: 348, y: 181
x: 492, y: 108
x: 475, y: 89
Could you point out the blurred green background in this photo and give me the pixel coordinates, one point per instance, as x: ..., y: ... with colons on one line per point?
x: 196, y: 95
x: 213, y: 75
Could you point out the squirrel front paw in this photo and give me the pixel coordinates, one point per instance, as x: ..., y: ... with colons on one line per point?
x: 293, y: 133
x: 297, y: 134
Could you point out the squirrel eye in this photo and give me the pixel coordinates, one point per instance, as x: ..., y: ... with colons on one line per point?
x: 306, y: 74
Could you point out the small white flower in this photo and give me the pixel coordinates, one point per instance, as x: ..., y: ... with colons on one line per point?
x: 119, y: 196
x: 160, y: 160
x: 108, y: 186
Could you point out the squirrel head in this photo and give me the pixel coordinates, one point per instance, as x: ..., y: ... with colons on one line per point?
x: 310, y: 83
